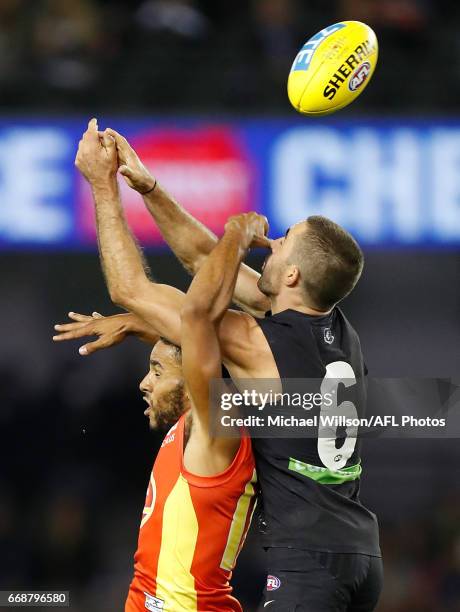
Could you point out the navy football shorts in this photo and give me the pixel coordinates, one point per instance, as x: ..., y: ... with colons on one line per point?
x: 310, y: 581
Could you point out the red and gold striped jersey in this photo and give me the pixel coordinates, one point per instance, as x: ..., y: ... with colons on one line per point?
x: 191, y: 532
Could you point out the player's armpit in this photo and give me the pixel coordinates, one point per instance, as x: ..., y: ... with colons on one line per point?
x: 245, y: 350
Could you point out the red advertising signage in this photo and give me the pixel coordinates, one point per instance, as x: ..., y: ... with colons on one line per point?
x: 207, y: 169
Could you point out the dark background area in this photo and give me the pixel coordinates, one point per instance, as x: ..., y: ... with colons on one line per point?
x: 206, y: 56
x: 76, y: 451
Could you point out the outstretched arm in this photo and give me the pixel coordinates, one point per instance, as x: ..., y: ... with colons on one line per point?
x: 205, y: 305
x: 189, y: 239
x: 123, y: 265
x: 125, y: 270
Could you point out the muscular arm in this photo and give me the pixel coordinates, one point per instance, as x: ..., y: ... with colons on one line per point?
x: 159, y: 305
x: 124, y: 269
x: 189, y: 239
x: 205, y: 304
x: 126, y: 272
x: 122, y: 261
x: 192, y: 242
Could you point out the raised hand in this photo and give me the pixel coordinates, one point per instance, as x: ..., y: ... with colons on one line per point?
x: 97, y: 156
x: 131, y: 168
x: 253, y: 228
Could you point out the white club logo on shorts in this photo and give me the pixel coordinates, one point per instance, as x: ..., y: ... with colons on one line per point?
x: 273, y: 583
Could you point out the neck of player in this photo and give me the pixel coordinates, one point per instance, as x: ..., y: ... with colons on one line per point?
x: 282, y: 302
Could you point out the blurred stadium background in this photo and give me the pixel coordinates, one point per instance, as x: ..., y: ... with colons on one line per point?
x: 199, y: 89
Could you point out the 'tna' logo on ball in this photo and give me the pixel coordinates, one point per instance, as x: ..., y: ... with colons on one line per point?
x: 359, y: 76
x: 273, y: 583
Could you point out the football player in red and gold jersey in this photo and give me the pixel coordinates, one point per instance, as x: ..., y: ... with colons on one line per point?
x: 201, y: 493
x: 202, y: 488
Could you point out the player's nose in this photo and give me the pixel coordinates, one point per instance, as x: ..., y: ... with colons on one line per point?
x: 144, y: 385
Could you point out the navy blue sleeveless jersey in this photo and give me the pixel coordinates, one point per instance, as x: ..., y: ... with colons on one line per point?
x: 306, y: 504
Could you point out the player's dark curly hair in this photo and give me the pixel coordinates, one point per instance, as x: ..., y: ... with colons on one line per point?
x: 178, y: 350
x: 330, y: 261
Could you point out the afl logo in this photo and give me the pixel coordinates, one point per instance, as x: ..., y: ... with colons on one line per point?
x: 359, y: 76
x: 273, y: 583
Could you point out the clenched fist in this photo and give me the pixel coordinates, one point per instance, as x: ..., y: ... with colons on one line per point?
x: 252, y: 227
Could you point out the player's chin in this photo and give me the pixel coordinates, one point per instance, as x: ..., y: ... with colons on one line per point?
x: 154, y: 421
x: 264, y: 285
x: 161, y: 421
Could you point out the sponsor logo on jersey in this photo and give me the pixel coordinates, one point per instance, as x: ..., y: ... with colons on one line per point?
x: 359, y: 76
x: 153, y: 603
x: 173, y: 428
x: 328, y: 336
x: 273, y: 583
x: 169, y: 436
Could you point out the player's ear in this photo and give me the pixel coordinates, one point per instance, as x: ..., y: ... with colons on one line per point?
x: 292, y: 275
